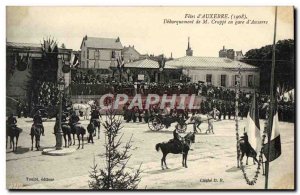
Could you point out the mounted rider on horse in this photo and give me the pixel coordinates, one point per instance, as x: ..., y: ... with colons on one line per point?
x: 37, y: 121
x: 177, y: 140
x: 11, y: 122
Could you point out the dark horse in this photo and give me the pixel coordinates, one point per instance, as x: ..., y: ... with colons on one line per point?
x: 36, y: 131
x: 91, y: 130
x: 172, y: 147
x: 66, y: 130
x: 80, y: 131
x: 96, y: 123
x: 13, y: 132
x: 250, y: 152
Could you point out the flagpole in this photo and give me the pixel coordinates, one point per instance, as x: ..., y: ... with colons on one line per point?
x: 237, y: 90
x: 271, y: 102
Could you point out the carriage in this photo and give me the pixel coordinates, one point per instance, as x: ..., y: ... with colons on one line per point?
x: 159, y: 121
x: 48, y: 112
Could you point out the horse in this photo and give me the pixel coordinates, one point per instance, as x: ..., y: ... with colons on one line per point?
x: 80, y: 131
x: 36, y: 131
x: 91, y: 129
x: 66, y: 129
x: 13, y: 132
x: 196, y: 120
x: 96, y: 123
x: 246, y: 149
x: 84, y: 108
x: 172, y: 147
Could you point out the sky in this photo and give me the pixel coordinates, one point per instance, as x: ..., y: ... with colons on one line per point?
x: 144, y: 27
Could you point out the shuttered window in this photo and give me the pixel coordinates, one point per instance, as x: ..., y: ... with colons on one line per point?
x: 209, y: 79
x: 223, y: 80
x: 97, y: 54
x: 250, y: 81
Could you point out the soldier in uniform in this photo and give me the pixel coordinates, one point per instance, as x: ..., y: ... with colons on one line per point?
x: 228, y: 108
x: 177, y: 139
x: 220, y: 110
x: 11, y: 121
x: 37, y: 120
x: 74, y: 119
x: 223, y: 110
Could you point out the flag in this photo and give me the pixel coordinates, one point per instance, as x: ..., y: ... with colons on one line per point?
x: 275, y: 143
x: 253, y: 127
x: 74, y: 60
x: 123, y: 63
x: 119, y: 63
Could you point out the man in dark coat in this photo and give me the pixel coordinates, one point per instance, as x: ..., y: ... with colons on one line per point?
x: 37, y: 120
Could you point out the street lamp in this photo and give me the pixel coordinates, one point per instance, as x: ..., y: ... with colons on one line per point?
x: 59, y: 133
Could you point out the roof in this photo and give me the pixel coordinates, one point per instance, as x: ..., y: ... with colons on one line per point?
x: 33, y: 46
x: 208, y: 62
x: 146, y: 63
x: 125, y: 49
x: 13, y: 44
x: 102, y: 43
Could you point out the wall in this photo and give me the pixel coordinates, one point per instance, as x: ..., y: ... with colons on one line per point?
x: 130, y: 54
x: 104, y: 59
x: 200, y: 75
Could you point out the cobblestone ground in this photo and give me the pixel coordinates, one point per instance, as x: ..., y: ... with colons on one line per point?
x: 213, y: 157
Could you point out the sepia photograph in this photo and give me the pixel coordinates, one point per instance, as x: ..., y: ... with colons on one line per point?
x: 150, y: 98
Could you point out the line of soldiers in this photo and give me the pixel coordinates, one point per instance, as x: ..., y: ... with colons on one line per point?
x: 226, y: 108
x: 136, y: 114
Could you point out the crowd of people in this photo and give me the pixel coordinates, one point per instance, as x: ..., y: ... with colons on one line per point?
x: 48, y: 94
x: 223, y: 99
x: 88, y: 77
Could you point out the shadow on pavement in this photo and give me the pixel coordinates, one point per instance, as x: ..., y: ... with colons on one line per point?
x: 164, y: 171
x: 20, y: 150
x: 161, y: 131
x: 233, y: 169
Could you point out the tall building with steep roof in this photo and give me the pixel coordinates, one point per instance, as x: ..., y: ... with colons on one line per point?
x: 100, y: 53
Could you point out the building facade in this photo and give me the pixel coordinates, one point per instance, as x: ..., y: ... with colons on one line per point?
x: 130, y: 54
x: 31, y: 55
x: 100, y: 53
x: 218, y: 71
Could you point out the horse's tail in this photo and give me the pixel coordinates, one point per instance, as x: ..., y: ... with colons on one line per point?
x: 157, y: 146
x: 19, y: 129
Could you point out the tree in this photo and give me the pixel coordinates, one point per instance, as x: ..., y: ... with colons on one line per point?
x: 114, y: 175
x: 285, y: 64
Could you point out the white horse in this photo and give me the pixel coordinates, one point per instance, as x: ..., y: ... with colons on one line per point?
x: 198, y: 119
x: 84, y: 108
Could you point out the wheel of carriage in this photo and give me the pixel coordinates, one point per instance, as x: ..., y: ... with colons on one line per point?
x: 155, y: 124
x: 181, y: 128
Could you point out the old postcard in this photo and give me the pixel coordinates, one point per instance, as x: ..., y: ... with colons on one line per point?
x: 150, y: 98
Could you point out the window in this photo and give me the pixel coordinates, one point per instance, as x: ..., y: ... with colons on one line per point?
x: 82, y: 63
x: 87, y: 64
x: 236, y: 79
x: 208, y: 78
x: 250, y: 80
x: 223, y: 80
x: 113, y: 54
x: 96, y: 54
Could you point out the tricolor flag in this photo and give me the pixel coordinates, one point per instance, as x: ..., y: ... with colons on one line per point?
x: 74, y: 60
x: 253, y: 127
x: 275, y: 143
